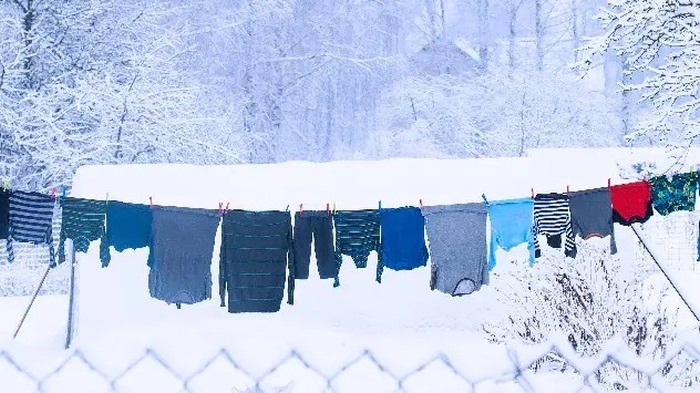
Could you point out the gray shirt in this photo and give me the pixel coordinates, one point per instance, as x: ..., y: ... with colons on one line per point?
x: 457, y: 243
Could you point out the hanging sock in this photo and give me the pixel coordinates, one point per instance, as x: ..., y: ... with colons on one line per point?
x: 31, y: 218
x: 182, y: 246
x: 553, y: 219
x: 511, y: 225
x: 356, y: 235
x: 318, y: 224
x: 457, y: 244
x: 256, y: 253
x: 592, y: 215
x: 82, y: 220
x: 631, y: 202
x: 402, y: 239
x: 4, y: 214
x: 675, y: 194
x: 128, y: 226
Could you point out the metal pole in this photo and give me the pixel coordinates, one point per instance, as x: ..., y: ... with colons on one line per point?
x: 653, y: 257
x: 38, y: 288
x: 71, y: 297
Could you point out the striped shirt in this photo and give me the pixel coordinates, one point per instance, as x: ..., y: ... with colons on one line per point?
x: 256, y: 253
x: 552, y: 219
x: 83, y: 221
x: 31, y: 215
x: 357, y: 233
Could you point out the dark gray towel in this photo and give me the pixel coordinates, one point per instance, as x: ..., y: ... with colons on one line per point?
x: 182, y: 246
x: 457, y: 243
x: 256, y: 251
x: 592, y: 214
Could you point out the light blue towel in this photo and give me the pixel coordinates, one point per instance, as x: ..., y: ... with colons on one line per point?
x: 511, y: 225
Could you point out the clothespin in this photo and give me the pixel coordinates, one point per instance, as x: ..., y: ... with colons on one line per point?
x: 333, y: 207
x: 532, y: 193
x: 63, y: 191
x: 608, y: 182
x: 5, y: 185
x: 150, y: 201
x: 380, y: 205
x: 420, y: 202
x: 220, y: 211
x: 328, y: 209
x: 567, y: 188
x: 483, y: 196
x: 226, y: 208
x: 301, y: 207
x: 287, y: 209
x: 52, y: 194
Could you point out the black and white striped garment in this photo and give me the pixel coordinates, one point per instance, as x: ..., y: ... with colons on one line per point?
x: 553, y: 219
x: 31, y: 215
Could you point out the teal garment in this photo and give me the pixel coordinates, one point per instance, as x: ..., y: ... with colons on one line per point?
x: 128, y: 226
x: 675, y: 194
x: 82, y: 220
x: 356, y: 235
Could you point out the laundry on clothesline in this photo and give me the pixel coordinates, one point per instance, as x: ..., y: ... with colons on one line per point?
x: 319, y: 225
x: 631, y: 202
x: 511, y: 225
x: 553, y: 219
x: 357, y: 233
x: 82, y: 221
x: 182, y: 247
x: 256, y: 254
x: 4, y: 214
x: 592, y: 215
x: 674, y: 194
x: 31, y: 221
x: 128, y: 227
x: 457, y: 246
x: 402, y: 239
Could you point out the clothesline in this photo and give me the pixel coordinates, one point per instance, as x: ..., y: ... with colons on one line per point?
x: 262, y: 248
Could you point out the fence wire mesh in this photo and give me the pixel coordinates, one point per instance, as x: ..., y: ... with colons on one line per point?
x: 522, y: 371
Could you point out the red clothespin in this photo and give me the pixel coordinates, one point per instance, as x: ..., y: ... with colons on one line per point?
x: 150, y: 201
x: 53, y: 193
x: 301, y: 207
x: 328, y: 209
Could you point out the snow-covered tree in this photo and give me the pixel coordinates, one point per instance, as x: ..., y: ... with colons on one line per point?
x: 659, y: 41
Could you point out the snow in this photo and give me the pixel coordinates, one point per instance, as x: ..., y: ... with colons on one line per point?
x: 401, y: 321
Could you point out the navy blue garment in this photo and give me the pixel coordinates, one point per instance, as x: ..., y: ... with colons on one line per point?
x: 128, y: 226
x: 4, y: 214
x: 318, y: 224
x: 31, y: 218
x: 403, y: 238
x: 182, y: 246
x: 256, y: 252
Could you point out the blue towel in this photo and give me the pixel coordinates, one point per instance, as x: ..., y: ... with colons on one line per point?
x: 403, y: 238
x: 511, y: 225
x: 128, y: 226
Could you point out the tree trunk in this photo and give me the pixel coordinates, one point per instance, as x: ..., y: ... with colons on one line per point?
x: 483, y: 11
x: 512, y: 16
x: 539, y: 35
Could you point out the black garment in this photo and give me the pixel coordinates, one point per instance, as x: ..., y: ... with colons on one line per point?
x: 320, y: 224
x: 256, y: 249
x: 4, y: 214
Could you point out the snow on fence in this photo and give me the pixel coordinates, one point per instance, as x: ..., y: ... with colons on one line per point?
x: 523, y: 369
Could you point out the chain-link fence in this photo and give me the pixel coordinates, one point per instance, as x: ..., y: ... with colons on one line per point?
x: 551, y: 368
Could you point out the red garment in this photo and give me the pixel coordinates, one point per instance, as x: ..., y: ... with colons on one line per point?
x: 631, y: 202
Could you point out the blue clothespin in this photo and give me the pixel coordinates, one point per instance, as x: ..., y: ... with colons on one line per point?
x: 483, y: 196
x: 63, y: 192
x: 287, y: 209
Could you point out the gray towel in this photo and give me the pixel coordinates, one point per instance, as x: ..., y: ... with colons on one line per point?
x: 457, y: 243
x: 182, y: 245
x: 592, y: 214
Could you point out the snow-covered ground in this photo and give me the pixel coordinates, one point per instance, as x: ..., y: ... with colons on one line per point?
x: 400, y: 320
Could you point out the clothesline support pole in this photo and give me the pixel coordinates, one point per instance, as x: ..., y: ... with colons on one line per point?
x: 653, y: 257
x: 71, y: 297
x: 31, y: 302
